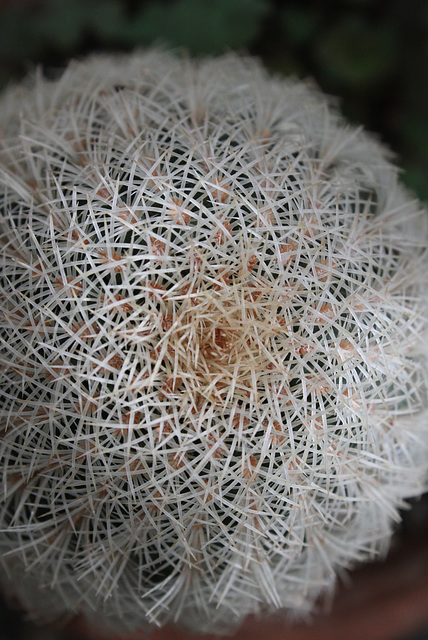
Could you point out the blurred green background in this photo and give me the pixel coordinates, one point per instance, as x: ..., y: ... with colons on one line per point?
x: 372, y: 54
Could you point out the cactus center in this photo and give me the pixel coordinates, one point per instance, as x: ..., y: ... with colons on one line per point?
x: 224, y: 344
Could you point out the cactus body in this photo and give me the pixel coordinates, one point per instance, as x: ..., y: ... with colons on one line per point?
x: 213, y: 373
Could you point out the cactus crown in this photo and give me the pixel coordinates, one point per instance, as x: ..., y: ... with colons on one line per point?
x: 212, y: 299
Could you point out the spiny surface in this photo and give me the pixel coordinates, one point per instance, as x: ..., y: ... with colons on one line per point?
x: 213, y: 381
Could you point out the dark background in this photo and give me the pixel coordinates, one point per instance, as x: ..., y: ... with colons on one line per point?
x: 371, y: 54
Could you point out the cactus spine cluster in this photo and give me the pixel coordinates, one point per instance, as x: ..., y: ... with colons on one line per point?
x: 212, y: 314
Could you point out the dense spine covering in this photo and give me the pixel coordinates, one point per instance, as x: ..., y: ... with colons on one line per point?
x: 213, y: 372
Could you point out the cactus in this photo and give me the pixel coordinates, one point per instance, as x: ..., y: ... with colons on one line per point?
x: 213, y: 367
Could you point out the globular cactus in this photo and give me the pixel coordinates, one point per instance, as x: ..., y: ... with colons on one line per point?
x: 213, y: 368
